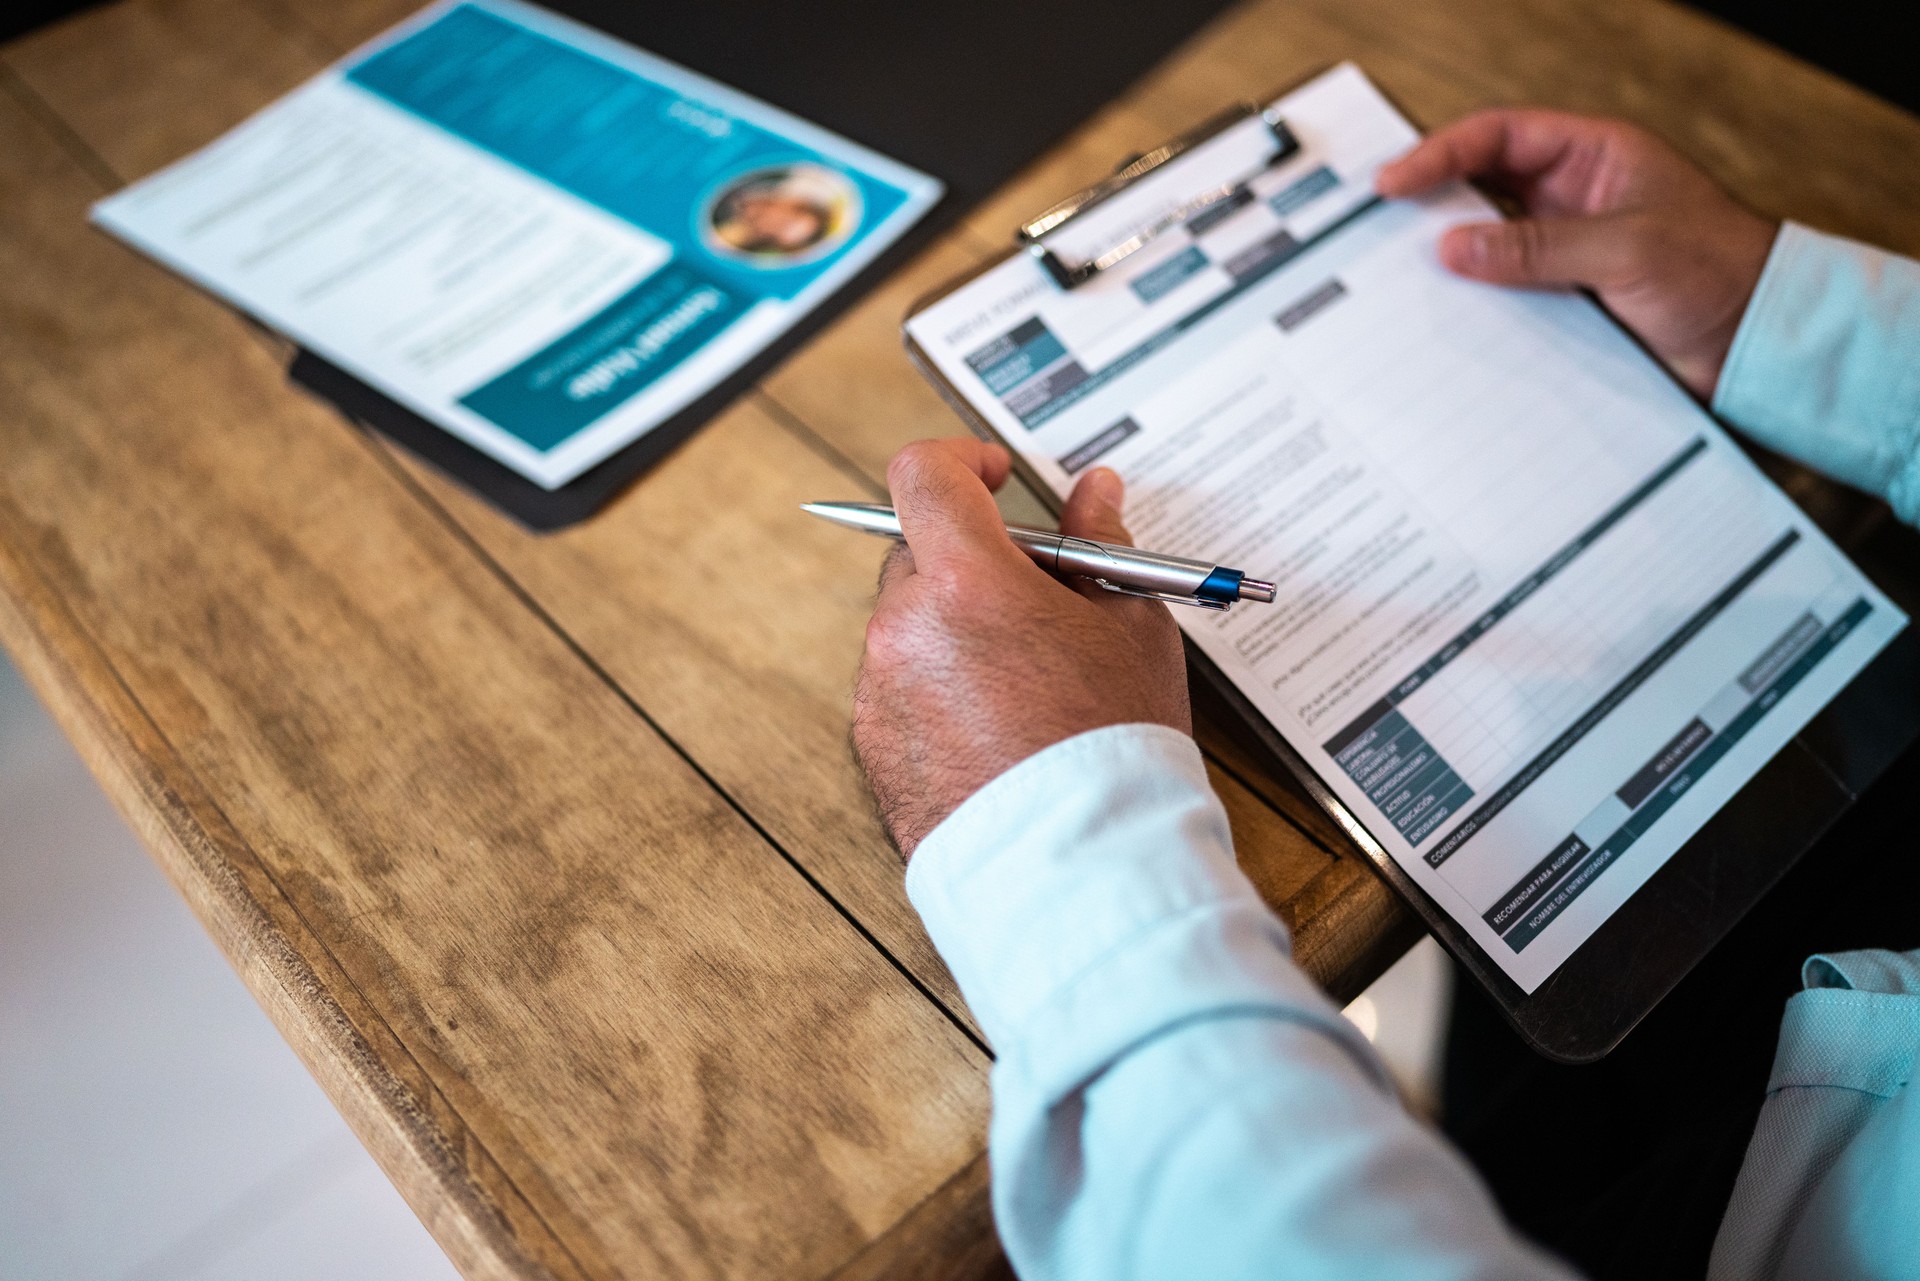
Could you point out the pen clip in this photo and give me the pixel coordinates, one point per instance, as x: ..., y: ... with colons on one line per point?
x: 1169, y: 597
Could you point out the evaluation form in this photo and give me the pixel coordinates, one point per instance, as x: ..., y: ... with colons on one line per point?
x: 1538, y: 616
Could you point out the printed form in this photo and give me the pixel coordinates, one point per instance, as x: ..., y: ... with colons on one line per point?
x: 1538, y: 617
x: 541, y: 239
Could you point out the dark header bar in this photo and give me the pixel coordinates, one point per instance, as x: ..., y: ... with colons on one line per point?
x: 1299, y: 313
x: 1546, y: 874
x: 1081, y: 456
x: 1665, y: 761
x: 1359, y: 725
x: 1007, y: 344
x: 1780, y: 653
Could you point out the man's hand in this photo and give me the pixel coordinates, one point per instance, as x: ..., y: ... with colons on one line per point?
x: 977, y: 658
x: 1610, y: 207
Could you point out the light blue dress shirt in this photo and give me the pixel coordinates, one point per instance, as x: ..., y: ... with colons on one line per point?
x: 1173, y: 1098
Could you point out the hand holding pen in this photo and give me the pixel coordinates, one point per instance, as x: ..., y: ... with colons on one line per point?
x: 1116, y: 567
x: 976, y: 658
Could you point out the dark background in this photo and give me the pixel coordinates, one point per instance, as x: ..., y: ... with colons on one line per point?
x: 1869, y: 42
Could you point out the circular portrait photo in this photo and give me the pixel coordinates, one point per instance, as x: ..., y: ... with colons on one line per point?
x: 782, y: 215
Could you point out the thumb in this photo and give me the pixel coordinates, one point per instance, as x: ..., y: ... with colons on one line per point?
x: 1093, y: 511
x: 943, y: 492
x: 1595, y: 252
x: 1093, y: 508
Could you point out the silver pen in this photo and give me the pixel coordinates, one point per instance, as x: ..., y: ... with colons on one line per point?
x: 1127, y: 570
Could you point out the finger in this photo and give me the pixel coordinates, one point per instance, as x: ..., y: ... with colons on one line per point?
x: 897, y: 566
x: 1093, y: 511
x: 1501, y: 143
x: 1595, y: 252
x: 1093, y: 508
x: 942, y: 490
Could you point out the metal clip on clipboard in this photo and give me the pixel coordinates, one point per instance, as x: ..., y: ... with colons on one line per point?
x: 1190, y: 182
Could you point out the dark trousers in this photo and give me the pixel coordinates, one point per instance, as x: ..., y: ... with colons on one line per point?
x: 1624, y: 1166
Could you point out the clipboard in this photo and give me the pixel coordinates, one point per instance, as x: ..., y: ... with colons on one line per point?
x: 1650, y: 942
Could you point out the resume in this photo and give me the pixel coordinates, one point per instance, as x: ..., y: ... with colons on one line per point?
x: 538, y: 237
x: 1538, y: 616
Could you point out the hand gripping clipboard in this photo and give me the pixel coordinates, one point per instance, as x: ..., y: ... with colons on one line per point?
x: 1648, y: 944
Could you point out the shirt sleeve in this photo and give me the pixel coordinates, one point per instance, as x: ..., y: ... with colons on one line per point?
x: 1172, y: 1096
x: 1826, y: 364
x: 1831, y: 1183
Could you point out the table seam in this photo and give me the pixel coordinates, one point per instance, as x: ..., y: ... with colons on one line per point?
x: 64, y: 137
x: 593, y: 665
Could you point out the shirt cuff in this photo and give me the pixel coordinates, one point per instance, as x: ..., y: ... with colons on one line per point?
x: 1855, y: 1026
x: 1825, y: 366
x: 1088, y: 899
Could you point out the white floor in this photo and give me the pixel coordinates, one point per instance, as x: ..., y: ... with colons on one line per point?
x: 1404, y: 1014
x: 153, y: 1125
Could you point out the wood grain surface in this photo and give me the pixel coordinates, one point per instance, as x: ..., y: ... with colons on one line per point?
x: 552, y: 863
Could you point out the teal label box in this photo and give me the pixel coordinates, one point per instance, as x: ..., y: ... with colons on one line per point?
x: 609, y: 359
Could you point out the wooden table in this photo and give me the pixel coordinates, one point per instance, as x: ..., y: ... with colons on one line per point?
x: 552, y: 865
